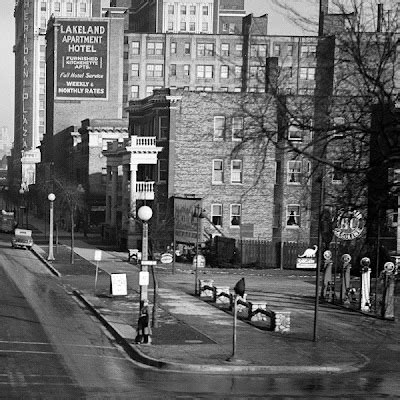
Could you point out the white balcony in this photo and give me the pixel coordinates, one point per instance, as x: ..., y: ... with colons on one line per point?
x: 143, y: 150
x: 144, y: 190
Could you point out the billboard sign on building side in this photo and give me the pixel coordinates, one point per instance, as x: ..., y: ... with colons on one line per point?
x: 82, y: 60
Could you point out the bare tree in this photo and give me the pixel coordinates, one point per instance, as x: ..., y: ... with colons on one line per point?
x: 343, y: 123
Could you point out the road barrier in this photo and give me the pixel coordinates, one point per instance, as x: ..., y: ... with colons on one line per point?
x: 279, y: 321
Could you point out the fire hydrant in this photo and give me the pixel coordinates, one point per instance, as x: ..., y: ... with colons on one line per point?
x: 345, y: 290
x: 327, y: 292
x: 144, y: 330
x: 388, y: 277
x: 365, y: 284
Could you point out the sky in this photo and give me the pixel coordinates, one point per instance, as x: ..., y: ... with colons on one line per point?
x: 278, y: 24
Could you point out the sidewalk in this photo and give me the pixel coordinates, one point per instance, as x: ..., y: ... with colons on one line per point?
x: 192, y: 335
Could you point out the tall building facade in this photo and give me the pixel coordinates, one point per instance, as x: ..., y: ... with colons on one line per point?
x: 187, y: 16
x: 31, y: 18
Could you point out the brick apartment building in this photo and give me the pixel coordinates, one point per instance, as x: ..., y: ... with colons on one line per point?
x: 201, y: 159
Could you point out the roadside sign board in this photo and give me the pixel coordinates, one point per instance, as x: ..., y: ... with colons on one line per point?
x: 166, y: 258
x: 349, y: 225
x: 144, y: 278
x: 200, y: 260
x: 119, y: 285
x: 97, y: 255
x: 306, y: 263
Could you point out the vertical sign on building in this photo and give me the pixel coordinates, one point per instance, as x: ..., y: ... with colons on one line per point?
x: 82, y: 60
x: 27, y: 77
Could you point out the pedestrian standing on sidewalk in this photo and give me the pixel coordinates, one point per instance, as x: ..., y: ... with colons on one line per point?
x: 143, y: 330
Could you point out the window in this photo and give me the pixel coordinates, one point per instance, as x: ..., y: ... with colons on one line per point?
x: 277, y: 50
x: 224, y: 71
x: 225, y: 27
x: 307, y: 73
x: 293, y: 215
x: 337, y: 173
x: 205, y: 10
x: 236, y: 171
x: 299, y: 127
x: 186, y: 70
x: 170, y: 26
x: 149, y: 90
x: 182, y: 26
x: 192, y: 10
x: 306, y: 91
x: 57, y: 6
x: 183, y: 10
x: 135, y: 70
x: 239, y: 49
x: 192, y: 26
x: 155, y: 48
x: 154, y: 70
x: 258, y: 50
x: 219, y: 127
x: 295, y: 134
x: 170, y: 9
x: 216, y: 214
x: 205, y: 71
x: 338, y: 126
x: 163, y: 127
x: 232, y: 28
x: 290, y: 50
x: 69, y: 7
x: 235, y: 215
x: 134, y: 92
x: 173, y: 47
x: 82, y: 7
x: 43, y: 6
x: 308, y: 50
x: 204, y: 26
x: 238, y: 71
x: 172, y: 70
x: 135, y: 46
x: 225, y: 49
x: 295, y: 171
x: 162, y: 170
x: 237, y: 128
x: 205, y: 49
x: 218, y: 171
x: 255, y: 71
x: 187, y: 48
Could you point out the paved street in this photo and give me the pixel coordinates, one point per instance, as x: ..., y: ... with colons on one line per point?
x: 193, y: 335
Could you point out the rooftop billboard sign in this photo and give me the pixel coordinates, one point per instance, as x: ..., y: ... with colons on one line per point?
x: 82, y: 59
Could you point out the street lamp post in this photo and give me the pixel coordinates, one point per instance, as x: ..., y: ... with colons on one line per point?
x: 51, y: 197
x: 24, y: 208
x: 198, y: 213
x: 144, y: 214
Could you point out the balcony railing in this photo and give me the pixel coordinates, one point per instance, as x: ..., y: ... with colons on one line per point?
x: 143, y: 141
x: 145, y: 190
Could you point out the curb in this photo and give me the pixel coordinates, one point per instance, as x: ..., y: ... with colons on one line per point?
x: 235, y: 367
x: 53, y: 270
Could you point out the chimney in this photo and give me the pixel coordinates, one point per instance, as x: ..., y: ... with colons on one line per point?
x: 380, y: 18
x: 323, y: 10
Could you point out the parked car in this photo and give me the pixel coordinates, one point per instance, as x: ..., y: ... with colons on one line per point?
x: 22, y: 239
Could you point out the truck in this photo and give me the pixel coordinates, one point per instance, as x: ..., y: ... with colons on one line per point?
x: 7, y: 221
